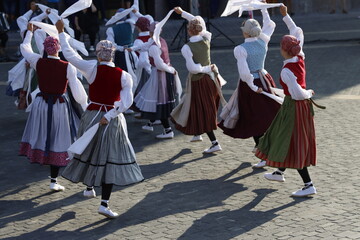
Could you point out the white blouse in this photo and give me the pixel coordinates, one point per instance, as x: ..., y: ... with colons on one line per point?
x: 23, y: 20
x: 193, y: 67
x: 89, y: 69
x: 143, y: 48
x: 74, y: 83
x: 155, y: 53
x: 288, y: 77
x: 241, y: 54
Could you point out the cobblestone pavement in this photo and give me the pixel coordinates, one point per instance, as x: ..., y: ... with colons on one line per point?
x: 188, y: 195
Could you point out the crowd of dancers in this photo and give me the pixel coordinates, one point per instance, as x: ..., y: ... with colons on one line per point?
x: 136, y: 75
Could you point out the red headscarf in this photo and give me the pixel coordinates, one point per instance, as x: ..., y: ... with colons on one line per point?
x: 290, y: 45
x: 51, y: 45
x: 143, y: 23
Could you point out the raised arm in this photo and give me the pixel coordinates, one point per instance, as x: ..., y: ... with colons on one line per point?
x: 193, y: 67
x: 126, y: 97
x: 268, y: 26
x: 155, y: 53
x: 243, y: 68
x: 87, y: 68
x: 189, y: 17
x: 23, y: 21
x: 26, y: 49
x: 294, y: 30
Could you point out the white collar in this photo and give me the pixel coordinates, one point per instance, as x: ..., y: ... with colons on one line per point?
x: 196, y: 38
x: 53, y: 57
x: 144, y: 33
x: 119, y: 22
x: 291, y: 60
x: 251, y: 39
x: 110, y: 64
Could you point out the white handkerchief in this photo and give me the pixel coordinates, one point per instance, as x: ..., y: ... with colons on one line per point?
x: 118, y: 16
x: 76, y: 7
x: 158, y: 28
x: 80, y: 145
x: 246, y: 5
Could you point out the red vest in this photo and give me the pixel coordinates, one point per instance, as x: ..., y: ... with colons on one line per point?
x: 164, y: 53
x: 106, y: 88
x: 143, y: 39
x: 52, y: 75
x: 298, y: 69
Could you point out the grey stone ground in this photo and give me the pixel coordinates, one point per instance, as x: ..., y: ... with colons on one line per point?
x: 187, y: 195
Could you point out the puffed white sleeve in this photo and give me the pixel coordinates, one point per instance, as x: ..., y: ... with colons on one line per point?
x: 155, y: 53
x: 23, y: 21
x: 243, y: 68
x: 87, y: 68
x: 295, y: 31
x: 190, y: 64
x: 126, y: 97
x: 110, y: 37
x: 76, y: 87
x: 295, y: 90
x: 268, y: 26
x: 27, y: 52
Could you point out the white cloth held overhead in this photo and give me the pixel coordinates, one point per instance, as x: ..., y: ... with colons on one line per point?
x: 76, y: 7
x: 54, y: 17
x: 79, y: 146
x: 246, y: 5
x: 158, y: 28
x: 119, y: 16
x: 52, y: 31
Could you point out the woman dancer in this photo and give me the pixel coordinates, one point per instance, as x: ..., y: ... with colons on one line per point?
x: 256, y: 111
x: 203, y: 86
x: 156, y: 99
x: 51, y: 126
x: 290, y: 140
x: 109, y: 158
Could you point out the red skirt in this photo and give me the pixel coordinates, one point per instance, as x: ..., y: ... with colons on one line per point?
x: 204, y: 106
x: 302, y: 147
x: 256, y: 111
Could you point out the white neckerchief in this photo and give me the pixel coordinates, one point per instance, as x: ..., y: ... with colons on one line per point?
x: 144, y: 33
x: 251, y: 39
x: 53, y: 57
x: 291, y: 60
x: 196, y: 38
x: 110, y: 64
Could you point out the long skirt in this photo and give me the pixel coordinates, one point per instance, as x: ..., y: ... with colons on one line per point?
x: 62, y: 133
x: 256, y: 111
x: 109, y: 158
x: 204, y: 106
x: 290, y: 140
x: 143, y: 78
x: 156, y: 99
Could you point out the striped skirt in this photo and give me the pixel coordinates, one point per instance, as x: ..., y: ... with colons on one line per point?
x: 109, y: 158
x: 204, y: 106
x: 290, y: 140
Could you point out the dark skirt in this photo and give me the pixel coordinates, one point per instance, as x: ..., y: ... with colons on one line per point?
x: 204, y: 107
x: 256, y: 111
x: 167, y: 93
